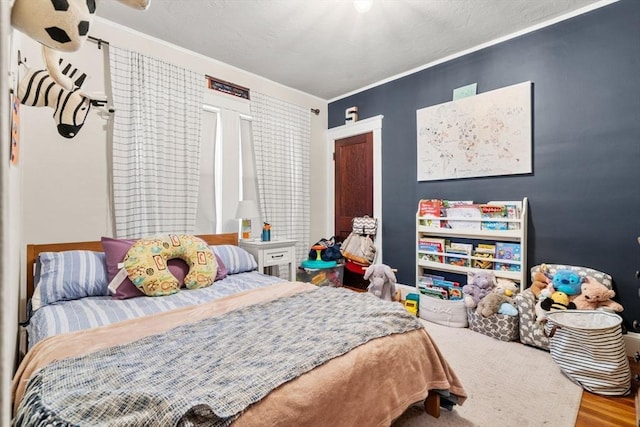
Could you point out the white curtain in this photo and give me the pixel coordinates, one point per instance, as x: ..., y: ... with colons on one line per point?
x: 282, y: 139
x: 156, y: 144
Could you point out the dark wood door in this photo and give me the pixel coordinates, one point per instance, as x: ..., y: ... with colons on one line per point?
x: 353, y: 181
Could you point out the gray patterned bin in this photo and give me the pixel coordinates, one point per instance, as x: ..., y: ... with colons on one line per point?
x: 498, y: 326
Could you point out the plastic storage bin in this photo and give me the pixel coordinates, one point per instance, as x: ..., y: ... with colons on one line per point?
x: 322, y: 276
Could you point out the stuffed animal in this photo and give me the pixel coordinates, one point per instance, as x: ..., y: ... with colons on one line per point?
x: 541, y: 313
x: 541, y: 281
x: 492, y: 303
x: 59, y: 26
x: 508, y: 308
x: 557, y: 301
x: 506, y: 286
x: 382, y: 281
x: 595, y: 295
x: 479, y: 284
x: 38, y: 89
x: 567, y: 281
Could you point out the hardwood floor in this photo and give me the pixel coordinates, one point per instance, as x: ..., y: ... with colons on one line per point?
x: 604, y: 411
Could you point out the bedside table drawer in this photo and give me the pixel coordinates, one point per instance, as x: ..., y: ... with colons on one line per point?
x: 277, y: 256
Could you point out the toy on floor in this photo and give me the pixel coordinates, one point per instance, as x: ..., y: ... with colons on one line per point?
x: 479, y: 284
x: 318, y: 262
x: 382, y: 281
x: 412, y: 303
x: 595, y: 295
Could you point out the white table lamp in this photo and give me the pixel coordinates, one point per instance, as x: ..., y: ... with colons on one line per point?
x: 247, y: 209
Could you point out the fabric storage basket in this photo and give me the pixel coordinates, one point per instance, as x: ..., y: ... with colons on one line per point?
x: 531, y: 331
x: 450, y: 313
x: 589, y: 348
x: 498, y: 326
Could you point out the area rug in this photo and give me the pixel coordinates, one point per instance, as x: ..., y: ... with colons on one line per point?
x: 508, y: 384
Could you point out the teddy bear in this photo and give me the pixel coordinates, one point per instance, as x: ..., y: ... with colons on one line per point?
x: 382, y: 281
x: 595, y: 295
x: 479, y: 284
x: 541, y: 281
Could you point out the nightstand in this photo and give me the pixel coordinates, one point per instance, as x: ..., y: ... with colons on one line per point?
x: 274, y: 252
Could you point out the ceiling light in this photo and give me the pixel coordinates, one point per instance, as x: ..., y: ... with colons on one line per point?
x: 362, y: 6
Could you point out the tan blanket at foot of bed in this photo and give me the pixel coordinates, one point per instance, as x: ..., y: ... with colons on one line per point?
x: 370, y: 386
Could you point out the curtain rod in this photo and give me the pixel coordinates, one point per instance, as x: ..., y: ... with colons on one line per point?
x: 98, y: 41
x: 315, y: 111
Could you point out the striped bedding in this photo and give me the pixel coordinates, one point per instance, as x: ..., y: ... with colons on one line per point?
x: 90, y: 312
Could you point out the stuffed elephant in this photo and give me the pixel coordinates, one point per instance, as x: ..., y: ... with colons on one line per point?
x: 382, y: 281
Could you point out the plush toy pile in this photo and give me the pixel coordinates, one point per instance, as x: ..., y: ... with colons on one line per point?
x: 566, y: 290
x: 490, y: 295
x: 479, y: 284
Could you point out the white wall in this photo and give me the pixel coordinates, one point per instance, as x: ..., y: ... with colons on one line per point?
x: 9, y: 227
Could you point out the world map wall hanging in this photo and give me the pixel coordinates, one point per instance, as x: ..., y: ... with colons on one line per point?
x: 483, y: 135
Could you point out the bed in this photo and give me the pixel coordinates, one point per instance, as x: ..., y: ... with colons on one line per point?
x: 250, y: 350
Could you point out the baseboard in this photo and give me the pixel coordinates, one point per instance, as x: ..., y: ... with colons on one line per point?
x: 632, y: 343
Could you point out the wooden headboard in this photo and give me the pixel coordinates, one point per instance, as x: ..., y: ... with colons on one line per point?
x: 33, y: 250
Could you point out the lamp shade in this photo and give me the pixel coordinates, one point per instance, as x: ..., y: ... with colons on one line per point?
x: 247, y: 209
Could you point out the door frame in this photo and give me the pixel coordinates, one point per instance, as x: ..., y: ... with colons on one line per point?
x: 373, y: 125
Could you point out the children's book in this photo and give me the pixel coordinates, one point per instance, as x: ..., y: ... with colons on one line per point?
x: 513, y: 210
x: 457, y: 257
x: 454, y: 290
x: 430, y: 211
x: 428, y: 248
x: 434, y: 291
x: 483, y: 250
x: 459, y: 213
x: 458, y: 254
x: 493, y: 211
x: 507, y: 251
x: 427, y: 276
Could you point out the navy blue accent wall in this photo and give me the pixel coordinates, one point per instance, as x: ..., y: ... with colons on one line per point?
x: 584, y: 192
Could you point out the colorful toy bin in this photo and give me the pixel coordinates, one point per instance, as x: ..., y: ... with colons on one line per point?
x: 330, y: 276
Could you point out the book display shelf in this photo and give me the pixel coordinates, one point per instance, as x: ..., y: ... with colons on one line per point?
x: 463, y: 236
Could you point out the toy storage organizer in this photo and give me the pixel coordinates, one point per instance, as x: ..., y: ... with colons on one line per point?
x: 331, y: 276
x: 531, y: 331
x: 455, y: 241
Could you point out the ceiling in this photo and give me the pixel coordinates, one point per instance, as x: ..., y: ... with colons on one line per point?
x: 325, y: 47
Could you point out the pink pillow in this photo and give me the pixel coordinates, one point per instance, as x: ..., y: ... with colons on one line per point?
x: 116, y: 249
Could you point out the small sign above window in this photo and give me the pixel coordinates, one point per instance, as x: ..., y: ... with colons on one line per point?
x: 227, y: 87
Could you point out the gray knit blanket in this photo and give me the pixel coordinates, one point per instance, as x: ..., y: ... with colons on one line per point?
x: 210, y: 371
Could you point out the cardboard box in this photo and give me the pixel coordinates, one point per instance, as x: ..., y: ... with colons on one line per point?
x: 322, y: 276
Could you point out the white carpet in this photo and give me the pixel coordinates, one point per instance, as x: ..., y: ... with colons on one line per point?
x: 508, y: 384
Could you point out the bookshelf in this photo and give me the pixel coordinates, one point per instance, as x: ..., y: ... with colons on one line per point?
x: 470, y: 228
